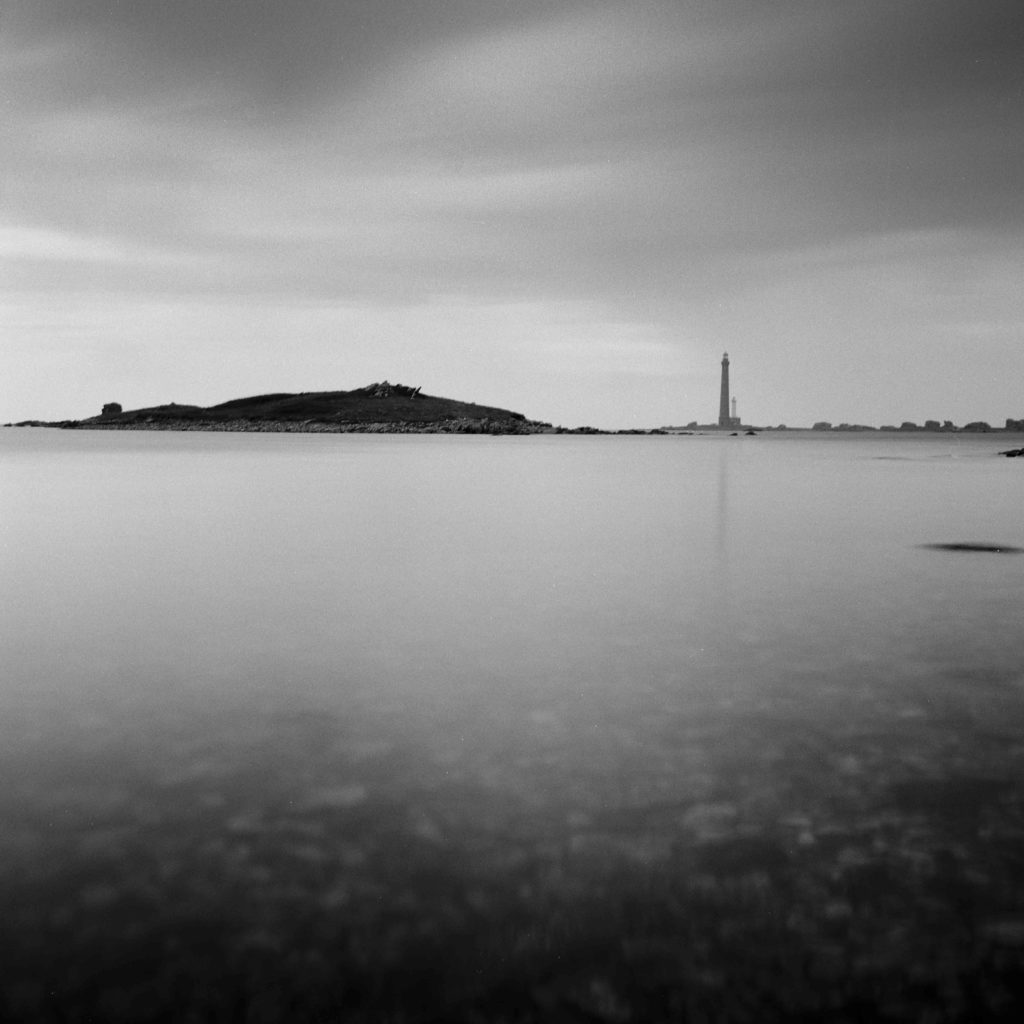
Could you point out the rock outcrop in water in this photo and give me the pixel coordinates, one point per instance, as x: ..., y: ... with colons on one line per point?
x: 999, y: 549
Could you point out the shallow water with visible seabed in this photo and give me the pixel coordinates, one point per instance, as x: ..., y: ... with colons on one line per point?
x: 434, y: 728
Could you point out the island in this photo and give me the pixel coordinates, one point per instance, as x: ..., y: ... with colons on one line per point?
x: 377, y: 408
x: 380, y: 408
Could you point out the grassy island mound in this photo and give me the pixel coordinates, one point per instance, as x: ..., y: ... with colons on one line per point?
x: 380, y: 407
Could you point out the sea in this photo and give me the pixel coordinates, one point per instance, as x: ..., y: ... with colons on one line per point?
x: 341, y: 727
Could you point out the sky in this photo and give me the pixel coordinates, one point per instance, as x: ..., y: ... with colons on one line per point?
x: 569, y: 208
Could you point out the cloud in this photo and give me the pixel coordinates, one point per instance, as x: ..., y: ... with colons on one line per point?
x: 280, y: 56
x: 699, y: 130
x: 60, y: 246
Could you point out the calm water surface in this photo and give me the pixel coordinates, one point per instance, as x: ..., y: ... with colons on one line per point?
x: 623, y: 719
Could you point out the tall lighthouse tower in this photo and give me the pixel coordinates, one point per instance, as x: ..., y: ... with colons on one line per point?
x: 724, y: 420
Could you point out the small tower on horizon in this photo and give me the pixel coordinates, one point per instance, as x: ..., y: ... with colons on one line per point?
x: 735, y: 418
x: 724, y: 420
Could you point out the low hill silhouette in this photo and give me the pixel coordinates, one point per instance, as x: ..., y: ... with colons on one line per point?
x: 380, y: 407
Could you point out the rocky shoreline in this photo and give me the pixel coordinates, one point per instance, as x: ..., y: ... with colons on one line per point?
x: 465, y: 425
x: 454, y: 426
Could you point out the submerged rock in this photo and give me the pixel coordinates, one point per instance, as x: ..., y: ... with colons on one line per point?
x: 1001, y: 549
x: 334, y: 798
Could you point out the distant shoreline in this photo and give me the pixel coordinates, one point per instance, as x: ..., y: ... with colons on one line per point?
x: 386, y: 408
x: 496, y: 428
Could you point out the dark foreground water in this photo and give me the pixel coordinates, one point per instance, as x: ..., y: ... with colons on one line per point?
x: 342, y: 728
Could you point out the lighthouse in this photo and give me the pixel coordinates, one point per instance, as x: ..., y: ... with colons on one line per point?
x: 724, y: 419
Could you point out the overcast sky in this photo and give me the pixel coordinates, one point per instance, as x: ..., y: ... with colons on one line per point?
x: 565, y: 208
